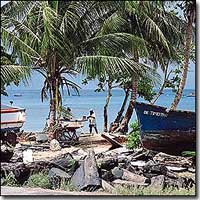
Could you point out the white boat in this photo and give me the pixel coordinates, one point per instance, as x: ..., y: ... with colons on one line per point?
x: 12, y: 118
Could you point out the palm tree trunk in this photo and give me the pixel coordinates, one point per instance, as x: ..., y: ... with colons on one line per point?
x: 106, y: 106
x: 123, y: 128
x: 186, y: 60
x: 52, y: 116
x: 114, y: 124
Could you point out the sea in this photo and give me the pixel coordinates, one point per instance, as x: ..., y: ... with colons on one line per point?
x: 37, y: 111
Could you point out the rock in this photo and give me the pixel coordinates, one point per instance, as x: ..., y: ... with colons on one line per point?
x: 66, y: 162
x: 21, y: 173
x: 86, y: 177
x: 124, y: 174
x: 106, y: 175
x: 158, y: 182
x: 107, y: 163
x: 41, y: 137
x: 106, y: 186
x: 57, y: 176
x: 54, y: 145
x: 117, y: 172
x: 153, y: 169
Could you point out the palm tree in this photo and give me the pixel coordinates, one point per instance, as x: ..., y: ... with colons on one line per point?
x: 11, y: 72
x: 190, y: 11
x: 57, y: 37
x: 162, y: 32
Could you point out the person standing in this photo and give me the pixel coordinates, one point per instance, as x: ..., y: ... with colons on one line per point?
x: 92, y: 121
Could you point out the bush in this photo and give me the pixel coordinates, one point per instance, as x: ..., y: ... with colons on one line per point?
x: 38, y: 180
x: 134, y: 136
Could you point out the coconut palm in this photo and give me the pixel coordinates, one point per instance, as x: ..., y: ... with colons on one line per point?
x: 11, y: 72
x: 162, y: 32
x: 189, y: 10
x: 61, y: 37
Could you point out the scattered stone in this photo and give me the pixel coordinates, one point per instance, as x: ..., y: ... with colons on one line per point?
x: 21, y: 173
x: 55, y: 145
x: 57, y: 177
x: 41, y: 137
x: 158, y: 182
x: 129, y: 176
x: 86, y: 177
x: 153, y: 169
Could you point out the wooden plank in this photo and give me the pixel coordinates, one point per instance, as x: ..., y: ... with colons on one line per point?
x: 114, y: 143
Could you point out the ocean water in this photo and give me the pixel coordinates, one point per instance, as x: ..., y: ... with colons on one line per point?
x: 37, y: 111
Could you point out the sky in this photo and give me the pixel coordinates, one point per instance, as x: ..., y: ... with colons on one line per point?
x: 36, y: 81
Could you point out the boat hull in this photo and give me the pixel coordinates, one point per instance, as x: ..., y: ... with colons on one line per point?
x: 166, y: 131
x: 12, y: 119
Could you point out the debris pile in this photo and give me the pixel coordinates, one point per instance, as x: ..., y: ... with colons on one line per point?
x: 88, y: 171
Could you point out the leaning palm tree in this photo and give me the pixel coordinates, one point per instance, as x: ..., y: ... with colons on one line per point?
x: 61, y: 37
x: 161, y: 31
x: 189, y: 9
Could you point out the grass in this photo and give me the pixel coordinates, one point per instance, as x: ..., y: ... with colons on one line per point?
x: 41, y: 180
x: 122, y: 190
x: 38, y: 180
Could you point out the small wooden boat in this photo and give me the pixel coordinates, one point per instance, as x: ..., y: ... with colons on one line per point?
x: 166, y: 131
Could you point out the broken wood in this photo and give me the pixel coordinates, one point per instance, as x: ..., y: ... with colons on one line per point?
x: 112, y: 141
x: 170, y: 160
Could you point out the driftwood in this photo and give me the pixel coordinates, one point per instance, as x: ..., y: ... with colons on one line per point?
x: 86, y: 177
x: 170, y: 160
x: 112, y: 141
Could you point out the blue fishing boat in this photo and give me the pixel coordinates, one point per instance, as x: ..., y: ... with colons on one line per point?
x: 166, y: 131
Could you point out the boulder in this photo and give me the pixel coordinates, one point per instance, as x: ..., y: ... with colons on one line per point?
x: 86, y: 177
x: 57, y: 176
x: 54, y: 145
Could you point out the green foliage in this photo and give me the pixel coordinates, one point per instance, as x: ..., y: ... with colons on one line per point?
x: 134, y: 136
x: 66, y: 112
x: 10, y: 72
x: 9, y: 180
x: 38, y: 180
x: 121, y: 190
x: 189, y: 153
x: 67, y: 186
x: 145, y: 89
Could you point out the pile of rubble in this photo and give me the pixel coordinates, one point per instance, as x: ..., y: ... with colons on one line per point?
x: 88, y: 171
